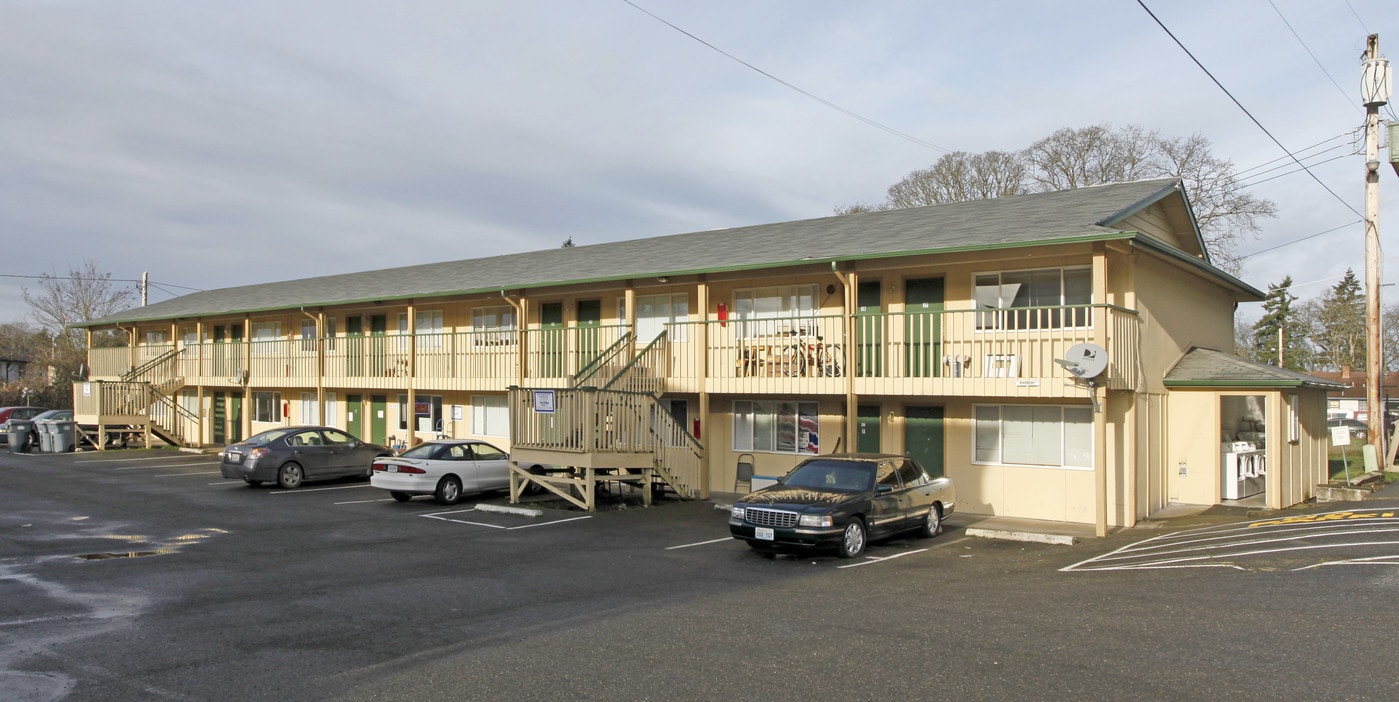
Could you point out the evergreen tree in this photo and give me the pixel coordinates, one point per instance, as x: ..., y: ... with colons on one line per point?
x: 1280, y: 319
x: 1338, y: 326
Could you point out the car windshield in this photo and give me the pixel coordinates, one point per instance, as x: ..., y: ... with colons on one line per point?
x: 843, y: 476
x: 54, y: 414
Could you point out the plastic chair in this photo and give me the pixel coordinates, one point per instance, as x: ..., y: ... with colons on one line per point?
x: 745, y: 471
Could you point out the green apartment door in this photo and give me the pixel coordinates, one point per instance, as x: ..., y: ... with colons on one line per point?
x: 551, y: 339
x: 923, y: 438
x: 867, y: 439
x: 923, y: 301
x: 354, y: 346
x: 220, y: 418
x: 378, y: 419
x: 354, y: 415
x: 589, y: 339
x: 378, y: 327
x: 869, y: 330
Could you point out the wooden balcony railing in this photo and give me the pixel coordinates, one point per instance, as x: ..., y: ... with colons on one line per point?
x: 949, y: 352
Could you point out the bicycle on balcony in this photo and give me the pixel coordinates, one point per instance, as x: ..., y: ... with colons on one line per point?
x: 809, y: 356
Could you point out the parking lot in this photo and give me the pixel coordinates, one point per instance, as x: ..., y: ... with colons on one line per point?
x: 144, y: 575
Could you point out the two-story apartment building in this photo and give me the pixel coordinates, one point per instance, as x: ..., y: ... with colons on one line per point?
x: 942, y: 332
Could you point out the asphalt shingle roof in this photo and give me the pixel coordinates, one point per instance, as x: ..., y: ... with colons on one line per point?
x: 1026, y: 220
x: 1201, y: 367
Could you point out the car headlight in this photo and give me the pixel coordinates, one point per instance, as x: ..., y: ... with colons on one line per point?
x: 736, y: 512
x: 815, y: 520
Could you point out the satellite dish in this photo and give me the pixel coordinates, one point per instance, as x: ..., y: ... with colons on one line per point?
x: 1086, y: 362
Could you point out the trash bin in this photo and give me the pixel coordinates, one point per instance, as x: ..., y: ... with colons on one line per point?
x: 19, y: 436
x: 45, y: 431
x: 65, y: 436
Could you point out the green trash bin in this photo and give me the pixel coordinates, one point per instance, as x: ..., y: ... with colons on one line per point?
x: 45, y: 431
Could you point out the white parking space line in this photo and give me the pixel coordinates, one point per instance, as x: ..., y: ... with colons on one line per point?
x: 176, y: 475
x: 147, y: 458
x: 700, y: 543
x: 302, y: 491
x: 880, y: 559
x: 440, y: 516
x: 360, y: 502
x: 167, y: 465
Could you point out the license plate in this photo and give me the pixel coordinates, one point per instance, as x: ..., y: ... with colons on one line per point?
x: 235, y: 458
x: 393, y: 469
x: 762, y: 533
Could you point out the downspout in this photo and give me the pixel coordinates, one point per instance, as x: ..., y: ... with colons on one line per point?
x: 848, y: 347
x: 520, y: 333
x: 320, y: 367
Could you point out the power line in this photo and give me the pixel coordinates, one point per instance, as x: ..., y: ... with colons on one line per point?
x: 97, y: 278
x: 1343, y: 135
x: 1260, y: 181
x: 1244, y: 109
x: 817, y: 98
x: 1298, y: 37
x: 1298, y: 241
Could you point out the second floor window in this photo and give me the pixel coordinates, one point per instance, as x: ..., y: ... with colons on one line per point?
x: 427, y: 326
x: 493, y: 326
x: 1053, y: 298
x: 776, y: 311
x: 308, y: 335
x: 265, y: 337
x: 654, y: 312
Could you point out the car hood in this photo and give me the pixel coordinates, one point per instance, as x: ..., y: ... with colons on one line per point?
x: 796, y: 498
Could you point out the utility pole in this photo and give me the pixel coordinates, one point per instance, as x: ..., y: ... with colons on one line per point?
x: 1374, y: 89
x: 144, y: 283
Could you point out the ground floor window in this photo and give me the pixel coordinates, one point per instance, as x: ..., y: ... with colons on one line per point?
x: 1034, y: 435
x: 310, y: 408
x: 267, y: 406
x: 489, y: 416
x: 775, y: 426
x: 427, y: 412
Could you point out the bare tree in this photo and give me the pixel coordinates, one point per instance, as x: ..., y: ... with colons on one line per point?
x: 83, y: 295
x: 1077, y: 158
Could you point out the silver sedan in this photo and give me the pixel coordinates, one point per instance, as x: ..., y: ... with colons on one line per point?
x: 445, y: 469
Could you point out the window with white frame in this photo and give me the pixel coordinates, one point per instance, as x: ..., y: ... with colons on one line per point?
x: 489, y: 415
x: 427, y: 412
x: 654, y: 312
x: 330, y: 331
x: 264, y: 333
x: 1034, y: 435
x: 427, y: 325
x: 786, y: 309
x: 775, y: 426
x: 308, y: 335
x: 1051, y: 298
x: 267, y: 406
x: 156, y: 338
x: 310, y: 409
x: 332, y: 418
x: 493, y: 326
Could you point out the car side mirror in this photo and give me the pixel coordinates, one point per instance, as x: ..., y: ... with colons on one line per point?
x: 882, y: 488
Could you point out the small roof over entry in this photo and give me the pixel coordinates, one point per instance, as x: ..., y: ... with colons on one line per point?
x: 1209, y: 368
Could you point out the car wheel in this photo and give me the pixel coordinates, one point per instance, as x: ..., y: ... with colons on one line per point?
x: 251, y: 482
x: 448, y: 491
x: 290, y: 476
x: 852, y: 542
x: 400, y: 496
x: 932, y: 525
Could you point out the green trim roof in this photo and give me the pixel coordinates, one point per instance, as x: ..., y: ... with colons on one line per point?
x: 1208, y: 368
x: 1068, y: 216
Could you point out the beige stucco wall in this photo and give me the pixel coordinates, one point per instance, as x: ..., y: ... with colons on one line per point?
x: 1178, y: 310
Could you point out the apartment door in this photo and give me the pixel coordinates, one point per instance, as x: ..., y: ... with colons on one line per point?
x: 589, y: 335
x: 923, y: 438
x: 869, y: 330
x: 552, y: 342
x: 220, y: 412
x: 354, y: 346
x: 923, y: 304
x: 867, y: 430
x: 222, y: 368
x: 378, y: 327
x: 378, y: 419
x: 354, y: 415
x: 235, y: 418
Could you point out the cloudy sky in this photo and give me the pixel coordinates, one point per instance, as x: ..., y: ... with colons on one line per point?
x: 214, y: 143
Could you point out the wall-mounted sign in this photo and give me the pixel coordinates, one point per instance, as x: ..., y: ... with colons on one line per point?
x: 544, y: 401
